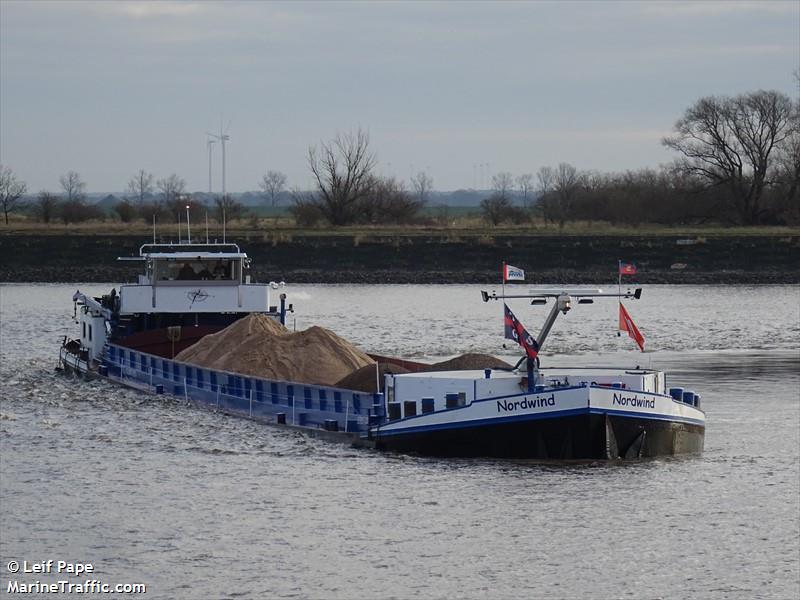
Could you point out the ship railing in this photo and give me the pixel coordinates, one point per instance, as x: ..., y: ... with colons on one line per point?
x: 292, y: 403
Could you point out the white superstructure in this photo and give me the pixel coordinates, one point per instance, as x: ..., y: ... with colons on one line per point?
x: 204, y: 286
x: 193, y: 278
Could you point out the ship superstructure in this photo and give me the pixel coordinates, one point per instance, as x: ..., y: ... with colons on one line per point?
x: 186, y: 291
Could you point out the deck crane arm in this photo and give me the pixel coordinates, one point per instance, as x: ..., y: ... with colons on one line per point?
x: 91, y: 304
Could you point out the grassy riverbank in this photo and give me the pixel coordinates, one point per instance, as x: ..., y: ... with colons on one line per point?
x: 468, y: 226
x: 466, y: 254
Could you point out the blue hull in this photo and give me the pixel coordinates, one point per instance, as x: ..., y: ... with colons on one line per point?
x: 313, y: 407
x: 585, y: 436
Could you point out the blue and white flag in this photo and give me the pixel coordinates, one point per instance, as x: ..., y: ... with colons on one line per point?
x: 512, y: 273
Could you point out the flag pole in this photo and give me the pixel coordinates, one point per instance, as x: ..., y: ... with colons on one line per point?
x: 619, y: 291
x: 503, y: 281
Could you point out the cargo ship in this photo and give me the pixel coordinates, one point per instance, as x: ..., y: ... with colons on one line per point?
x: 188, y: 290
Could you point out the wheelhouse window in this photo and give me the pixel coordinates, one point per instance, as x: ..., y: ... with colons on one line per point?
x: 205, y: 269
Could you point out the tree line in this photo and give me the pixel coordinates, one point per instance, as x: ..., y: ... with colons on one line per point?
x: 737, y: 162
x: 146, y: 198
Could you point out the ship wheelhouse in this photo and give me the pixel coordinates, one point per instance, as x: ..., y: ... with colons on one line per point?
x: 193, y: 279
x: 178, y: 264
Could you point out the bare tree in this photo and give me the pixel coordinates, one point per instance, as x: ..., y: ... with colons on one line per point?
x: 525, y: 185
x: 272, y: 185
x: 422, y: 184
x: 140, y: 187
x: 498, y: 207
x: 388, y: 202
x: 46, y: 205
x: 547, y: 205
x: 74, y: 209
x: 78, y: 210
x: 125, y: 210
x: 74, y: 187
x: 342, y: 172
x: 172, y: 190
x: 545, y: 177
x: 11, y: 190
x: 787, y: 168
x: 567, y: 182
x: 728, y: 142
x: 227, y: 209
x: 305, y: 209
x: 503, y: 184
x: 495, y: 208
x: 171, y: 187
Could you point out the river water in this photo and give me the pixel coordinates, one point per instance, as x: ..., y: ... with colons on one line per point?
x: 200, y: 505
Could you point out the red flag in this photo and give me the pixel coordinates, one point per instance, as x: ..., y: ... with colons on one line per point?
x: 627, y: 324
x: 627, y: 268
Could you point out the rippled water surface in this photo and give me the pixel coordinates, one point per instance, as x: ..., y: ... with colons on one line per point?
x: 199, y: 505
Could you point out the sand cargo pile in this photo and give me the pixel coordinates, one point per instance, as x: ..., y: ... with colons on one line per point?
x: 260, y: 346
x: 366, y: 379
x: 469, y: 361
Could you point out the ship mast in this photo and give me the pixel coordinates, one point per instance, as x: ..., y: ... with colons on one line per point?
x: 563, y: 303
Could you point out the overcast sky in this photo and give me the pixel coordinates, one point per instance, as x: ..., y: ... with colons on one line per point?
x: 460, y: 89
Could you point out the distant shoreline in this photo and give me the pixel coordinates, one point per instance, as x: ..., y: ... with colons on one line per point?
x: 99, y: 275
x: 430, y: 258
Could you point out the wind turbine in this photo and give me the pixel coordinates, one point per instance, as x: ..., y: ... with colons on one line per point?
x: 222, y: 138
x: 210, y: 143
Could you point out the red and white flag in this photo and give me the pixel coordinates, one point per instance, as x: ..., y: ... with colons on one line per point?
x: 512, y: 273
x: 627, y: 324
x: 627, y: 268
x: 514, y: 330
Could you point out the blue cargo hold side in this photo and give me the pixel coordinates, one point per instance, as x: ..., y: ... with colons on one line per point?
x: 231, y: 392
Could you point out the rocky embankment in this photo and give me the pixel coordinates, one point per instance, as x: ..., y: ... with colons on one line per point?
x: 429, y: 258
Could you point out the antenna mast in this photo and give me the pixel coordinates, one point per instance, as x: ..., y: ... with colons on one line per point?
x: 563, y: 302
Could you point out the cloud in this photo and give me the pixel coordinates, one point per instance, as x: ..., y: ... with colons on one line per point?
x: 717, y: 8
x: 529, y: 135
x: 146, y: 10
